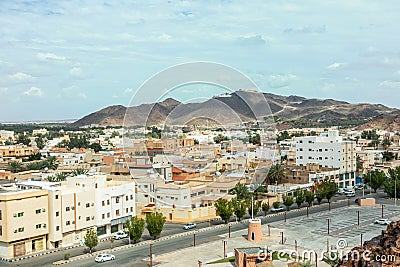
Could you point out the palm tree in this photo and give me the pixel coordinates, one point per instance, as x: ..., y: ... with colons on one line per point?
x: 15, y: 166
x: 79, y: 171
x: 51, y: 163
x: 275, y: 174
x: 241, y: 191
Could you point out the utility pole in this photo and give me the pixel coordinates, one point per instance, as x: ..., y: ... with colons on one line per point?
x: 329, y: 220
x: 151, y: 255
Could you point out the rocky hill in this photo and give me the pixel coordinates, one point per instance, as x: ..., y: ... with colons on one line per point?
x: 385, y: 247
x: 288, y: 111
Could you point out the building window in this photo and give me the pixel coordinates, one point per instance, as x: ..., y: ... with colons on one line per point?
x: 127, y: 210
x: 108, y: 202
x: 87, y: 218
x: 21, y: 229
x: 131, y: 209
x: 66, y: 208
x: 38, y: 211
x: 117, y: 200
x: 103, y: 216
x: 103, y: 203
x: 20, y: 214
x: 117, y: 212
x: 68, y: 223
x: 0, y: 216
x: 38, y: 226
x: 57, y: 228
x: 57, y: 213
x: 87, y: 205
x: 131, y: 197
x: 1, y: 230
x: 56, y: 196
x: 126, y: 198
x: 108, y: 215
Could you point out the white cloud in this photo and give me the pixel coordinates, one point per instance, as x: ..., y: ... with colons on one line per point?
x: 21, y: 77
x: 281, y: 80
x: 73, y: 92
x: 50, y: 57
x: 34, y: 91
x: 390, y: 84
x: 165, y: 37
x: 76, y: 72
x: 335, y: 66
x: 128, y: 91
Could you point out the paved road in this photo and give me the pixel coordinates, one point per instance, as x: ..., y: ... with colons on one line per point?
x: 133, y: 256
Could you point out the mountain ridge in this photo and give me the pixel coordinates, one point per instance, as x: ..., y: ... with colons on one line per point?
x: 288, y: 111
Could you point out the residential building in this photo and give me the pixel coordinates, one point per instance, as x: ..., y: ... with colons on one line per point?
x: 16, y: 151
x: 6, y: 134
x: 24, y: 221
x: 329, y: 150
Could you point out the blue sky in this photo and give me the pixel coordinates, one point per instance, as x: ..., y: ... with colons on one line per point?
x: 65, y: 59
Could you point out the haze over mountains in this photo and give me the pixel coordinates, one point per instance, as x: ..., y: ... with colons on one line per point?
x: 288, y: 111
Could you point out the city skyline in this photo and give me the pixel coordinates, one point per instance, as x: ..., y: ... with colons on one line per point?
x: 65, y: 60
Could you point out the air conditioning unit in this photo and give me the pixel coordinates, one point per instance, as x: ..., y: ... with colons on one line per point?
x: 15, y: 215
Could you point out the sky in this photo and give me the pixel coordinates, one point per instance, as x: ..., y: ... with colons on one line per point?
x: 66, y: 59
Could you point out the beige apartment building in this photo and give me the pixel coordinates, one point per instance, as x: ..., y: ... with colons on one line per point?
x: 16, y: 151
x: 24, y: 221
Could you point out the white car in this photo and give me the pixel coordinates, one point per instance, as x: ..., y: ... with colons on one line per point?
x: 189, y: 226
x: 350, y: 194
x: 276, y: 209
x: 120, y: 235
x: 383, y: 221
x: 104, y: 257
x: 340, y: 191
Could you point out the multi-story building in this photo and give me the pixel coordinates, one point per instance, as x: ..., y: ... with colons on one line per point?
x: 84, y: 202
x: 24, y: 221
x: 329, y: 150
x: 6, y: 134
x: 16, y: 151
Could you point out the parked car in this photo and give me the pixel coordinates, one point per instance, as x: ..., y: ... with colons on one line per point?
x: 359, y: 186
x: 340, y: 191
x: 104, y: 257
x: 120, y: 235
x: 350, y: 194
x: 189, y: 226
x: 383, y: 221
x: 277, y: 209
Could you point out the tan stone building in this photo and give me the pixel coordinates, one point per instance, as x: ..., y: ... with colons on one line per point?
x: 24, y: 222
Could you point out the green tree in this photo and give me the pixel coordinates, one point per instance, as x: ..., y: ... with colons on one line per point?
x: 155, y: 224
x: 96, y: 147
x: 239, y: 208
x: 241, y: 191
x: 320, y: 193
x: 219, y: 138
x: 224, y: 209
x: 23, y: 139
x: 288, y: 201
x: 309, y: 197
x: 394, y: 182
x: 51, y: 163
x: 134, y: 228
x: 386, y: 143
x: 36, y: 156
x: 275, y: 174
x: 265, y: 208
x: 375, y: 179
x: 329, y: 187
x: 40, y: 142
x: 300, y: 197
x: 58, y: 177
x: 91, y: 239
x: 79, y: 171
x: 15, y: 166
x: 276, y: 204
x: 256, y: 207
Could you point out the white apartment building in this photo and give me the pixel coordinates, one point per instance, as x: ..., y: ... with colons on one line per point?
x: 6, y: 134
x: 329, y: 150
x: 84, y: 202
